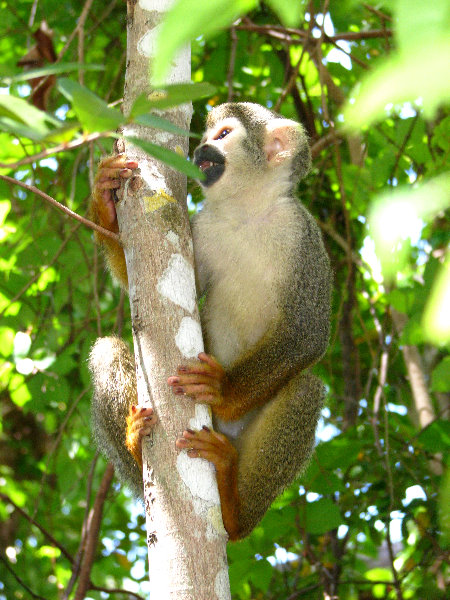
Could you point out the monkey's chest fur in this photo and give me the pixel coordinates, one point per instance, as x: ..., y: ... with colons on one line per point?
x: 242, y: 264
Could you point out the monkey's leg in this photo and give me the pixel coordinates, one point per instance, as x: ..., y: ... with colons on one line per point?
x: 114, y: 379
x: 276, y: 447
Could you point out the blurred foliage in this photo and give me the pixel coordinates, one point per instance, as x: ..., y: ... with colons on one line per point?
x: 369, y: 518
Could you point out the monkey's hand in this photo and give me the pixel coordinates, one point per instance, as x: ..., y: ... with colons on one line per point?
x: 204, y: 380
x: 140, y: 422
x: 216, y: 448
x: 110, y: 171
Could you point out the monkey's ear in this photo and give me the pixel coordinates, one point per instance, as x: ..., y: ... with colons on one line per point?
x: 282, y: 137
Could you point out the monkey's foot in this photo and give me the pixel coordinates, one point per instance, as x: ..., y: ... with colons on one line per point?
x: 140, y: 422
x: 202, y: 380
x: 211, y: 445
x: 216, y: 448
x: 109, y: 174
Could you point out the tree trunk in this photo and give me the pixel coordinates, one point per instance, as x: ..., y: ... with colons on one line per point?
x: 186, y: 537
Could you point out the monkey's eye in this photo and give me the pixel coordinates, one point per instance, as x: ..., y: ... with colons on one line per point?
x: 223, y: 133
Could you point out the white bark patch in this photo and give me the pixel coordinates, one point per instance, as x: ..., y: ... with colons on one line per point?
x: 177, y: 283
x: 147, y: 44
x: 189, y: 338
x: 198, y: 475
x: 173, y: 238
x: 222, y: 585
x: 159, y: 5
x: 202, y: 417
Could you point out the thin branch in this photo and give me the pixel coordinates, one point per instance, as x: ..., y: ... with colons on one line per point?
x: 93, y: 530
x: 48, y: 535
x: 65, y: 209
x: 79, y: 554
x: 86, y: 139
x: 377, y: 12
x: 284, y: 33
x: 19, y: 580
x: 115, y: 591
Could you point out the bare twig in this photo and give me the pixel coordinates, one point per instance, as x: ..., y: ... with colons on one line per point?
x: 65, y: 209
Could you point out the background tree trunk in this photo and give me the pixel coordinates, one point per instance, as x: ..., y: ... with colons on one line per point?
x: 186, y: 537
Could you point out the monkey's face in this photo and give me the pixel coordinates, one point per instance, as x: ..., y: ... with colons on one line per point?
x: 220, y: 151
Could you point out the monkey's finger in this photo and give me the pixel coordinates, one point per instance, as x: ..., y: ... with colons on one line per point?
x: 197, y: 444
x: 118, y: 161
x: 143, y: 431
x: 197, y: 368
x: 107, y: 184
x: 110, y: 173
x: 206, y: 435
x: 182, y: 380
x: 211, y: 362
x: 193, y: 389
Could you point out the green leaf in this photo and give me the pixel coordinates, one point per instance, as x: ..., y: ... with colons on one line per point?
x: 436, y: 437
x: 322, y: 516
x: 171, y: 95
x: 6, y: 341
x: 50, y: 70
x: 169, y: 157
x: 289, y: 12
x: 440, y: 378
x: 93, y: 112
x: 261, y: 574
x: 401, y: 299
x: 18, y: 116
x: 159, y: 123
x: 179, y: 27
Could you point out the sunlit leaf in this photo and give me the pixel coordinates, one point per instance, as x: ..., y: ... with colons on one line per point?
x: 93, y: 112
x: 396, y: 216
x: 169, y: 96
x: 24, y: 119
x: 436, y: 318
x: 169, y: 157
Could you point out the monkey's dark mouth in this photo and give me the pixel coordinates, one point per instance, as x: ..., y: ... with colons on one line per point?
x: 206, y: 164
x: 211, y: 162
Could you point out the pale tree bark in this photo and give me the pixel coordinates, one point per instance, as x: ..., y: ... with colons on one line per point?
x: 186, y: 537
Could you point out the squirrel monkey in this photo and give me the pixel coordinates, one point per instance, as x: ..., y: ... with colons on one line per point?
x: 265, y: 274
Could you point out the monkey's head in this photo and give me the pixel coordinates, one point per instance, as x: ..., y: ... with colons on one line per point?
x: 246, y: 142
